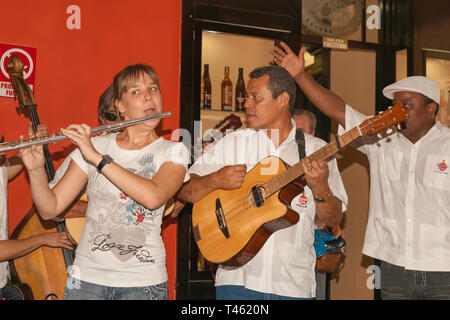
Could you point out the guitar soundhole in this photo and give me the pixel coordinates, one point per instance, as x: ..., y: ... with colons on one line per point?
x: 256, y: 197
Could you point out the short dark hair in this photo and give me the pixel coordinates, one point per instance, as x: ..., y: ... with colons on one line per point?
x: 105, y: 101
x: 280, y: 80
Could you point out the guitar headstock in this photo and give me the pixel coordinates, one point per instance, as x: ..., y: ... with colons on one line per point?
x: 231, y: 121
x: 386, y: 119
x: 21, y: 89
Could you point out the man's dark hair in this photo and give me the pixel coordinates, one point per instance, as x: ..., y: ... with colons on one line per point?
x: 280, y: 81
x: 105, y: 101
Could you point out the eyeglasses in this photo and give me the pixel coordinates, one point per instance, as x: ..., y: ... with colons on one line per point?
x: 110, y: 116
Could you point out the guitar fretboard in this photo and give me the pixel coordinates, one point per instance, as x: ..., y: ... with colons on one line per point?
x: 324, y: 153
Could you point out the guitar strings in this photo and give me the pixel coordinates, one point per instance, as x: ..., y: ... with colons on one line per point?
x: 279, y: 181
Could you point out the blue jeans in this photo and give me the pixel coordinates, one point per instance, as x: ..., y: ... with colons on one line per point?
x: 400, y: 284
x: 10, y: 293
x: 242, y: 293
x: 82, y: 290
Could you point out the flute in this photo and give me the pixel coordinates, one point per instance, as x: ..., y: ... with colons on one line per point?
x: 25, y: 143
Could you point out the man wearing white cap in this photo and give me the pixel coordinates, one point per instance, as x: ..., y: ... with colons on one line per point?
x: 409, y: 212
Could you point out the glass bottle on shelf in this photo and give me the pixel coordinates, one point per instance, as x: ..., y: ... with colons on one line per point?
x: 206, y: 88
x: 202, y: 93
x: 227, y: 91
x: 239, y: 92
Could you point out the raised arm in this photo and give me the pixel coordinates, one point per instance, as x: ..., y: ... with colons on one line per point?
x: 48, y: 203
x: 151, y: 193
x: 328, y: 102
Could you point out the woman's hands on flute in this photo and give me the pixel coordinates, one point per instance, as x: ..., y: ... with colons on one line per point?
x: 80, y: 135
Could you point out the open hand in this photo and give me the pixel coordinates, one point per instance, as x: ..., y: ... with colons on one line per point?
x: 287, y: 59
x: 56, y: 240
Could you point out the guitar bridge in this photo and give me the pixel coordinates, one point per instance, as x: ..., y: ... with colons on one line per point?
x: 221, y: 219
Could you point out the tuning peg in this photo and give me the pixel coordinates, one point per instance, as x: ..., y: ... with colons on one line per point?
x: 389, y: 131
x: 399, y: 126
x: 379, y: 135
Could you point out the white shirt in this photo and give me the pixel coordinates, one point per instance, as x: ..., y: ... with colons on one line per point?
x: 285, y: 264
x: 4, y: 268
x: 409, y: 210
x: 60, y: 172
x: 121, y: 244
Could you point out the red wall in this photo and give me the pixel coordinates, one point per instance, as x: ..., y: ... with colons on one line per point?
x: 73, y: 68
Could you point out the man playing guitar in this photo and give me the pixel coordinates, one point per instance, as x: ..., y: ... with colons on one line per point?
x: 284, y: 266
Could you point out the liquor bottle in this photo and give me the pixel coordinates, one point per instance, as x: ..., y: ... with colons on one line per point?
x: 202, y: 93
x: 227, y: 91
x: 206, y: 88
x: 239, y: 92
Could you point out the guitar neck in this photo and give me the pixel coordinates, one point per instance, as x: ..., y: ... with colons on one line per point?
x: 324, y: 153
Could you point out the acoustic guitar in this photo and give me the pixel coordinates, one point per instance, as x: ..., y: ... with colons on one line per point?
x: 230, y: 226
x: 75, y: 225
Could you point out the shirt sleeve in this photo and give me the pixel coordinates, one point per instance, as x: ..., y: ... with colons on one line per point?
x: 336, y: 184
x: 178, y: 154
x: 60, y: 172
x: 79, y: 160
x: 354, y: 118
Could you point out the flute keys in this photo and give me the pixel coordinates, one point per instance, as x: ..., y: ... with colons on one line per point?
x: 54, y: 135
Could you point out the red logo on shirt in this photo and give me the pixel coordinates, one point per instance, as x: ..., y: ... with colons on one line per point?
x: 123, y: 196
x: 303, y: 199
x: 442, y: 166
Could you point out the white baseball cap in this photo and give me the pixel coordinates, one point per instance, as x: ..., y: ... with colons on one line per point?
x: 429, y: 88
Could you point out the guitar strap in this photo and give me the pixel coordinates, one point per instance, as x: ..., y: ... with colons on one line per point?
x: 300, y: 139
